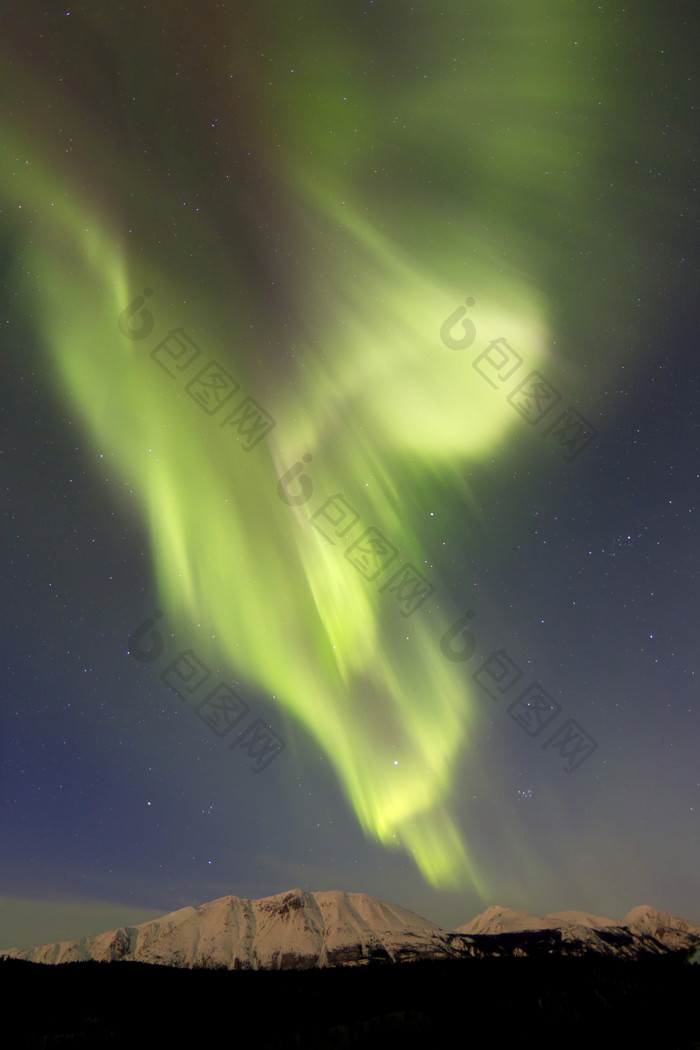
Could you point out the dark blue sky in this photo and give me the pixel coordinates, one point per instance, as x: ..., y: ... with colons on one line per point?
x: 117, y: 801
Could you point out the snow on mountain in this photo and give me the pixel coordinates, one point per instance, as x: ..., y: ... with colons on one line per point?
x: 302, y: 930
x: 642, y: 929
x: 497, y: 920
x: 582, y: 918
x: 293, y: 929
x: 672, y: 931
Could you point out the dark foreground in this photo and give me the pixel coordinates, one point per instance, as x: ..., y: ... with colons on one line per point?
x: 563, y: 1003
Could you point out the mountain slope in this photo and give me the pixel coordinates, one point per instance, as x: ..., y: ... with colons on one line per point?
x: 497, y: 920
x: 289, y: 930
x: 672, y: 931
x: 643, y: 930
x: 299, y: 930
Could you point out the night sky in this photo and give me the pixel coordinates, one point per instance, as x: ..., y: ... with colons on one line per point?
x: 350, y: 457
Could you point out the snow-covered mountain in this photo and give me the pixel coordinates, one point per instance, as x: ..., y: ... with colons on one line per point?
x: 299, y: 930
x: 642, y: 931
x: 290, y: 930
x: 673, y: 932
x: 508, y: 920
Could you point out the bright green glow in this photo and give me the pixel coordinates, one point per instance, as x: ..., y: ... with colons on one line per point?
x: 383, y: 408
x: 285, y: 607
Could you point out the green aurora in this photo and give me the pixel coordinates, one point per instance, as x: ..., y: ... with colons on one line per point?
x: 383, y: 411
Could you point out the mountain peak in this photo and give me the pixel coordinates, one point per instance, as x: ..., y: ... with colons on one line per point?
x: 671, y: 930
x: 300, y: 929
x: 293, y: 929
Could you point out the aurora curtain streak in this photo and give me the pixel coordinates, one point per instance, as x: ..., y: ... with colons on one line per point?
x: 312, y: 248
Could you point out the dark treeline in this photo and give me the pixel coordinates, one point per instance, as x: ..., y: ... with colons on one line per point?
x: 567, y: 1003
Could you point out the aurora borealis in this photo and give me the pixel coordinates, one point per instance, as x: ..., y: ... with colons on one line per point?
x: 303, y: 304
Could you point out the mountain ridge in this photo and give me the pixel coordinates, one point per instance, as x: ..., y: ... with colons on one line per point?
x: 299, y: 929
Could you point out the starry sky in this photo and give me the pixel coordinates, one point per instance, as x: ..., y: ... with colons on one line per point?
x: 350, y: 457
